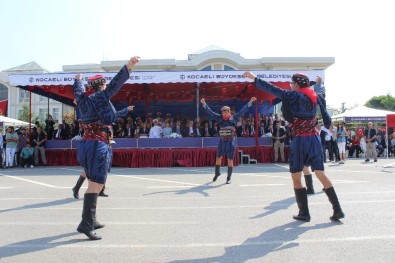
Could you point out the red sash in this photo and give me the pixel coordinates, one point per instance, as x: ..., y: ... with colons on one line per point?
x: 309, y: 93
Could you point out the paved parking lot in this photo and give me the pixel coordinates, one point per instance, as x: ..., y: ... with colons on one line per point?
x: 179, y: 215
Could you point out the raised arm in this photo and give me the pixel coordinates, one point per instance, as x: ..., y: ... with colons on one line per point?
x: 325, y: 115
x: 121, y: 77
x: 123, y: 112
x: 243, y: 110
x: 78, y: 87
x: 212, y: 115
x: 266, y: 86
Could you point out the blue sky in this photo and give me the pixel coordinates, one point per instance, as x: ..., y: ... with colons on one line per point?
x: 358, y: 34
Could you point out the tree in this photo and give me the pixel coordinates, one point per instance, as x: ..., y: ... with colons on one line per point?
x: 382, y: 102
x: 24, y: 114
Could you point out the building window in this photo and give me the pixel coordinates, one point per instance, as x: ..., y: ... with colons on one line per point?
x: 23, y: 96
x: 42, y: 98
x: 228, y: 68
x: 42, y: 114
x: 56, y: 115
x: 208, y: 68
x: 3, y: 92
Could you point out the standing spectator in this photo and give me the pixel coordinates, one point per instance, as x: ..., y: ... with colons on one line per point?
x: 323, y: 137
x: 12, y: 139
x: 370, y: 139
x: 278, y: 141
x: 49, y: 127
x: 341, y: 142
x: 37, y: 123
x: 23, y: 139
x: 335, y: 148
x: 319, y: 87
x: 27, y: 153
x: 39, y: 139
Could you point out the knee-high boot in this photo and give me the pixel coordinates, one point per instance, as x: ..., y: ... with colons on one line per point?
x: 337, y: 210
x: 89, y: 217
x: 77, y: 187
x: 309, y: 184
x: 102, y: 193
x: 230, y: 170
x: 301, y: 200
x: 217, y: 172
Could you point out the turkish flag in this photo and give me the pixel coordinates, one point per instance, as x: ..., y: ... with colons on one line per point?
x: 3, y: 107
x: 391, y: 123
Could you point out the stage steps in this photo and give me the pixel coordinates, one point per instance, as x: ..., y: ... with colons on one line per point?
x: 246, y: 159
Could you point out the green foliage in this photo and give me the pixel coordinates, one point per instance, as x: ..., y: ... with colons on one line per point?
x: 382, y: 102
x: 24, y: 114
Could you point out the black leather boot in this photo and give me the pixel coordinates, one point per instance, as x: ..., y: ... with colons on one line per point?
x: 301, y: 200
x: 102, y: 193
x: 77, y: 187
x: 217, y: 172
x: 309, y: 184
x: 89, y: 217
x: 337, y: 211
x: 230, y: 170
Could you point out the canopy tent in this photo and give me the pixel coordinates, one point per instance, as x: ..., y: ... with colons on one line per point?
x: 6, y: 121
x: 362, y: 114
x: 147, y: 89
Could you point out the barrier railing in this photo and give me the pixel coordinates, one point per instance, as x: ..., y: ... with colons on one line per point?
x: 190, y: 142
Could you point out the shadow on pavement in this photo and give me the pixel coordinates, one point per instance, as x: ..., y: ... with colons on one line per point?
x: 272, y: 240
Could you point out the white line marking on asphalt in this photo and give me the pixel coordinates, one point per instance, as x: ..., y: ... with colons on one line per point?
x: 196, y: 245
x: 207, y: 207
x: 31, y: 181
x: 151, y: 179
x: 348, y: 182
x: 171, y: 186
x: 189, y: 170
x: 5, y: 187
x: 249, y: 185
x: 266, y: 175
x: 107, y: 223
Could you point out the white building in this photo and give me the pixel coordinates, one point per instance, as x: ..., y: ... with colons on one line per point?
x: 210, y: 58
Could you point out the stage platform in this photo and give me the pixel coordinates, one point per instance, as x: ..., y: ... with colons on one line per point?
x: 164, y: 152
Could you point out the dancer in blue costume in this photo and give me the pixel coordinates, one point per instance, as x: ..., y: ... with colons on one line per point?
x: 97, y: 113
x: 299, y: 109
x: 227, y: 124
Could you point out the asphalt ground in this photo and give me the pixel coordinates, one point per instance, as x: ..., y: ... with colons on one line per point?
x: 179, y: 215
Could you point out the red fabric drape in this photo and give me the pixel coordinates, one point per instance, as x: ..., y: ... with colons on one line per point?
x: 138, y: 158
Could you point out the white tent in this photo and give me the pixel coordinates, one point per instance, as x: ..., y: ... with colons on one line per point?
x: 362, y: 114
x: 10, y: 121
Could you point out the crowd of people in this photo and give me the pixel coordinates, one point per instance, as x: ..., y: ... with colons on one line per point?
x: 341, y: 143
x: 338, y: 142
